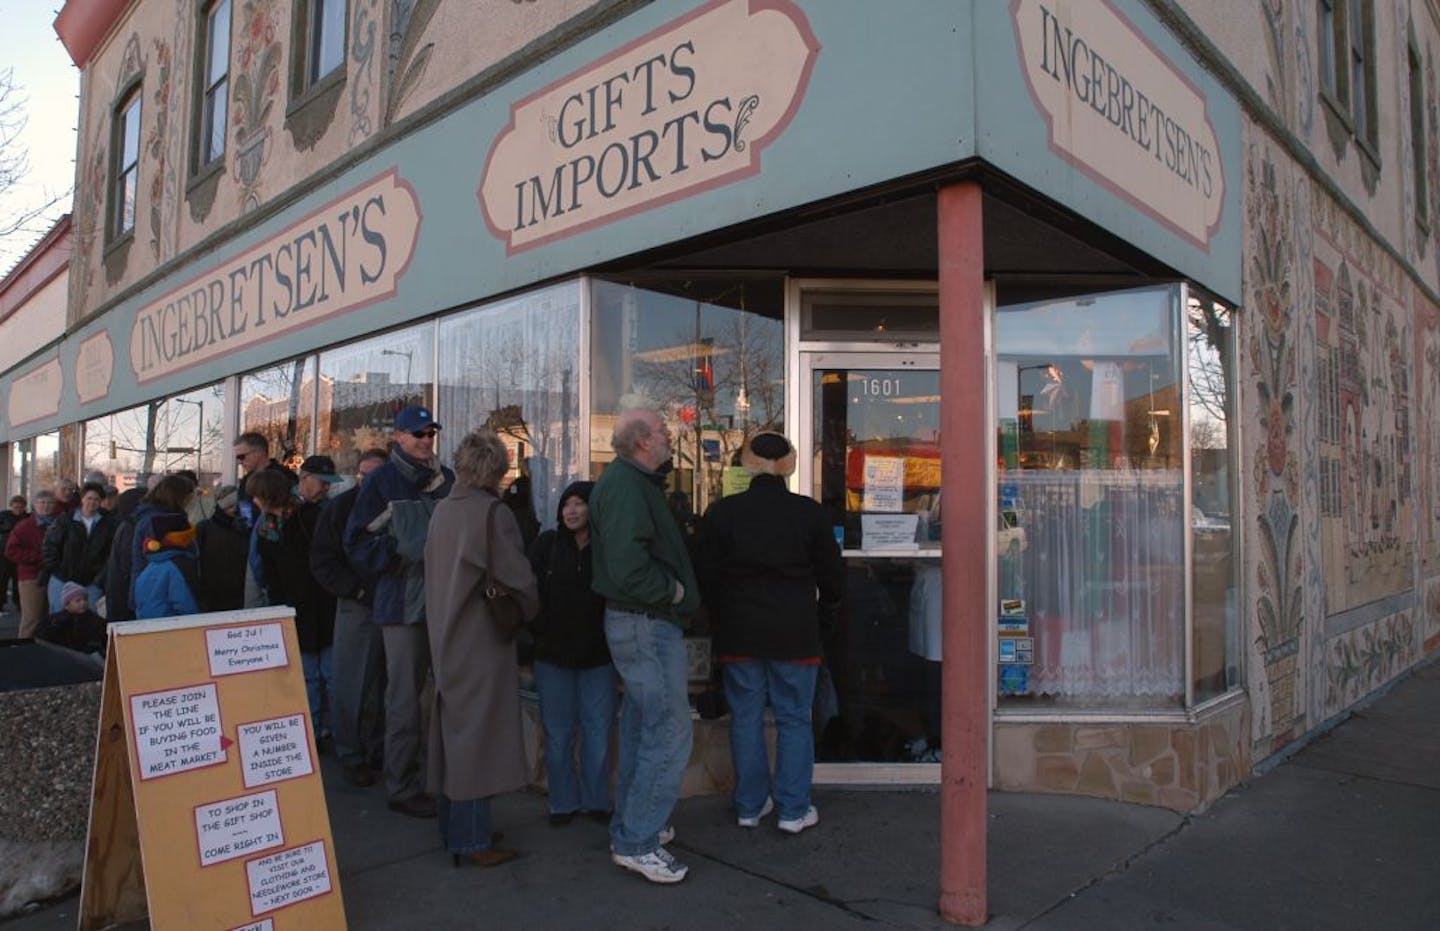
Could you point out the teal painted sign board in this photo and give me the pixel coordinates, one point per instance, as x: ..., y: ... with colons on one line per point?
x: 727, y: 111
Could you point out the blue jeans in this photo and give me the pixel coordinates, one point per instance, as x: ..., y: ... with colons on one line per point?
x: 655, y: 729
x: 318, y: 675
x: 569, y: 697
x: 464, y: 824
x: 790, y: 691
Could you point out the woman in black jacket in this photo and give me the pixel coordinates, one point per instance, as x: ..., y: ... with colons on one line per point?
x: 78, y: 546
x: 572, y: 664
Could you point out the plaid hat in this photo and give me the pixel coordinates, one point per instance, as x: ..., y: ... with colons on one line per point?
x: 322, y: 467
x: 70, y: 591
x: 768, y: 453
x: 415, y: 417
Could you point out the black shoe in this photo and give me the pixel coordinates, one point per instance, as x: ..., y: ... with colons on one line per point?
x: 416, y: 806
x: 359, y: 776
x: 558, y: 819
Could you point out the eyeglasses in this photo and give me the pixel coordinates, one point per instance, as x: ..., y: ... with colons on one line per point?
x: 424, y: 434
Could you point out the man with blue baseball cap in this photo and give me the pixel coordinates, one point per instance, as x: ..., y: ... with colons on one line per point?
x: 385, y: 538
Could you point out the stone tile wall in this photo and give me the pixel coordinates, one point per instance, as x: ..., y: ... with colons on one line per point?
x: 1180, y: 766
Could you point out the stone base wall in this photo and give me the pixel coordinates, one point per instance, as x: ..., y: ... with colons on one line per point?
x: 49, y: 740
x: 1181, y: 766
x: 709, y: 772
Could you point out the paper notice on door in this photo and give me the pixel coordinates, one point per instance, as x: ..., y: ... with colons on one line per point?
x: 889, y: 532
x: 884, y: 484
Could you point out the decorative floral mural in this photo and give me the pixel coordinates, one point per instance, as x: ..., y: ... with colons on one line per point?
x: 362, y: 78
x: 1270, y: 342
x: 159, y: 142
x: 1362, y: 660
x: 257, y: 84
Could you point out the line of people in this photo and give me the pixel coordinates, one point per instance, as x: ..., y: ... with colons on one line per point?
x: 394, y: 578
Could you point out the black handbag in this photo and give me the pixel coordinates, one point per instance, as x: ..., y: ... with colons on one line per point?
x: 504, y: 607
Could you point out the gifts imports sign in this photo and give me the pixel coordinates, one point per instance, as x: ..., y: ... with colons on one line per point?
x: 684, y: 109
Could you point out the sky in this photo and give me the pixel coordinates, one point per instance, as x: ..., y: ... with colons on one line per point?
x: 50, y: 84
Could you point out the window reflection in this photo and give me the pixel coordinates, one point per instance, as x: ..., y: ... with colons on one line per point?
x: 183, y: 432
x: 279, y: 404
x: 1090, y: 496
x: 364, y: 385
x: 1214, y: 596
x: 710, y: 353
x: 513, y: 366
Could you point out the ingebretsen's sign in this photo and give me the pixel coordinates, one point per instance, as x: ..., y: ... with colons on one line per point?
x: 347, y: 254
x: 681, y: 110
x: 1122, y: 113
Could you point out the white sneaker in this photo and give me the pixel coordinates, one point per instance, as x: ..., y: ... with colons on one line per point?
x: 658, y: 865
x: 755, y: 821
x: 666, y: 835
x: 796, y: 825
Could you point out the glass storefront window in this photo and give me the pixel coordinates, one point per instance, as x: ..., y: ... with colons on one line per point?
x: 1090, y: 551
x: 514, y: 366
x: 183, y: 432
x: 1210, y: 338
x: 35, y: 464
x: 708, y: 352
x: 193, y: 433
x: 364, y: 385
x: 279, y: 404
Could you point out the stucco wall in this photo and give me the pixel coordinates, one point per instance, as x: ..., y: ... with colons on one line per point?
x: 38, y: 321
x: 399, y: 57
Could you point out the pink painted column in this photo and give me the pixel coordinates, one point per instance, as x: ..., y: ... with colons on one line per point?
x: 965, y: 533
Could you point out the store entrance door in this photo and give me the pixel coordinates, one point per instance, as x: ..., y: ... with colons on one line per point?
x: 871, y: 456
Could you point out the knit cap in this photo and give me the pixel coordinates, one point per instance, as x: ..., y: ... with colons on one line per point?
x: 70, y: 591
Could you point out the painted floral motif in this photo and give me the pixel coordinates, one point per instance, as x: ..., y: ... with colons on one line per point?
x: 1365, y: 659
x: 158, y: 140
x: 1275, y: 473
x: 362, y: 55
x: 89, y: 216
x: 257, y: 58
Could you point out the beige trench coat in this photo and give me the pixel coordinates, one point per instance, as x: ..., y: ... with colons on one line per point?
x: 476, y: 747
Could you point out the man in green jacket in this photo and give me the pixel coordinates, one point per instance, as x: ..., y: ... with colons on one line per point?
x: 642, y: 570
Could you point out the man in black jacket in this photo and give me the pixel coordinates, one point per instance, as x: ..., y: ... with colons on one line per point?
x: 769, y: 568
x: 356, y: 712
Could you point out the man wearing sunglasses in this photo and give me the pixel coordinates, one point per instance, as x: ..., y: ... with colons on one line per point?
x: 379, y: 542
x: 252, y: 453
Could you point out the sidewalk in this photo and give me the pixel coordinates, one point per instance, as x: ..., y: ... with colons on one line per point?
x: 1345, y: 835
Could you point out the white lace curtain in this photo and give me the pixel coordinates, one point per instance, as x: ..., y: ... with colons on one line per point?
x: 1102, y: 574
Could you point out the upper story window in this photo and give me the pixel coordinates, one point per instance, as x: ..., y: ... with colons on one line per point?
x: 1362, y: 71
x: 324, y: 39
x: 125, y: 182
x: 1419, y: 150
x: 1347, y: 67
x: 1331, y: 32
x: 215, y: 84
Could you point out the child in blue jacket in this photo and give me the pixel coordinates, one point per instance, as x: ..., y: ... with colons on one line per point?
x: 166, y: 586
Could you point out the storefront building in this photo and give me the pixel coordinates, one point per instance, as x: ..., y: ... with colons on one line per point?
x: 1197, y: 371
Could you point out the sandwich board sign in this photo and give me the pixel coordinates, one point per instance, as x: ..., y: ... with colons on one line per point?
x: 207, y: 809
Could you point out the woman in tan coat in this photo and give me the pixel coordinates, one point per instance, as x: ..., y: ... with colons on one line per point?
x: 476, y: 747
